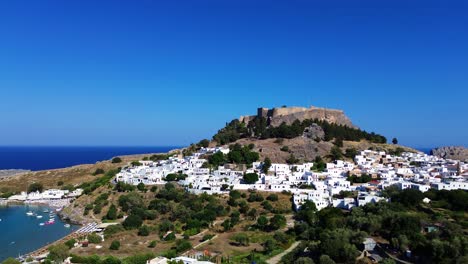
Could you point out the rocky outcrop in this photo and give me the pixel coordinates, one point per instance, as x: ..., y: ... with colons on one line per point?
x: 451, y: 152
x: 314, y: 131
x: 276, y: 116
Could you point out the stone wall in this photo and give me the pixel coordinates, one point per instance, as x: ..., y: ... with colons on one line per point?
x: 288, y: 115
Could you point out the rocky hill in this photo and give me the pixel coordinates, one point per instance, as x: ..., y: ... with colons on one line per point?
x: 276, y: 116
x: 451, y: 152
x: 302, y: 134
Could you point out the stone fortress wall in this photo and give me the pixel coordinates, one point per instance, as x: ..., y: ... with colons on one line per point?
x: 276, y: 116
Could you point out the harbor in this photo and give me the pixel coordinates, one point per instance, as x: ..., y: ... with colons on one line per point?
x: 27, y: 227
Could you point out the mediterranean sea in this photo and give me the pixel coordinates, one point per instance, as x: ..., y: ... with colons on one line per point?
x: 45, y: 158
x: 20, y: 233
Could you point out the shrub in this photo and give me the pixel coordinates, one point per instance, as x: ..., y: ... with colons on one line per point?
x: 207, y: 237
x: 241, y: 239
x: 152, y: 244
x: 183, y: 245
x: 284, y: 148
x: 170, y: 237
x: 272, y: 197
x: 98, y: 171
x: 34, y: 187
x: 115, y: 245
x: 70, y: 243
x: 94, y: 238
x: 116, y: 160
x: 112, y: 213
x: 144, y: 231
x: 132, y: 222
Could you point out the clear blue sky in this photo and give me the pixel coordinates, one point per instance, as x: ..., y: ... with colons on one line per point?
x: 173, y: 72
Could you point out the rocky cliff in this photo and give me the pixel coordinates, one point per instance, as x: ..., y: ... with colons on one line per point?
x: 451, y: 152
x: 276, y: 116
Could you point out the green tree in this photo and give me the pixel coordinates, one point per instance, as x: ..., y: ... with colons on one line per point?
x: 204, y: 143
x: 277, y: 221
x: 262, y: 222
x: 269, y: 245
x: 144, y: 230
x: 35, y: 187
x: 325, y: 259
x: 132, y: 222
x: 272, y: 197
x: 217, y: 159
x: 115, y: 245
x: 250, y: 178
x: 112, y: 212
x: 266, y: 165
x: 94, y: 238
x: 395, y: 141
x: 58, y: 253
x: 141, y: 187
x: 116, y: 160
x: 336, y: 153
x: 70, y: 243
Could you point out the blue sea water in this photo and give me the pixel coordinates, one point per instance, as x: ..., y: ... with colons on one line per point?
x: 20, y: 233
x: 44, y: 158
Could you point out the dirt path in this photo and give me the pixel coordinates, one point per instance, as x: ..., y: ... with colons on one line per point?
x: 276, y: 259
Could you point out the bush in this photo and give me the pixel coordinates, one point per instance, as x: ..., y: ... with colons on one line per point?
x: 272, y: 197
x: 170, y: 237
x: 277, y: 222
x: 152, y: 244
x: 115, y: 245
x: 98, y: 171
x: 94, y: 238
x: 183, y: 245
x: 284, y: 148
x: 116, y: 160
x: 112, y: 213
x: 255, y: 197
x: 132, y: 222
x: 70, y: 243
x: 241, y: 239
x: 140, y: 258
x: 58, y: 253
x: 207, y: 237
x: 34, y: 187
x: 144, y: 231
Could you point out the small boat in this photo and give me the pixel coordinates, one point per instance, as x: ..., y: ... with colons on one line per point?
x: 41, y: 224
x: 67, y: 225
x: 38, y: 216
x: 45, y: 211
x: 30, y: 213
